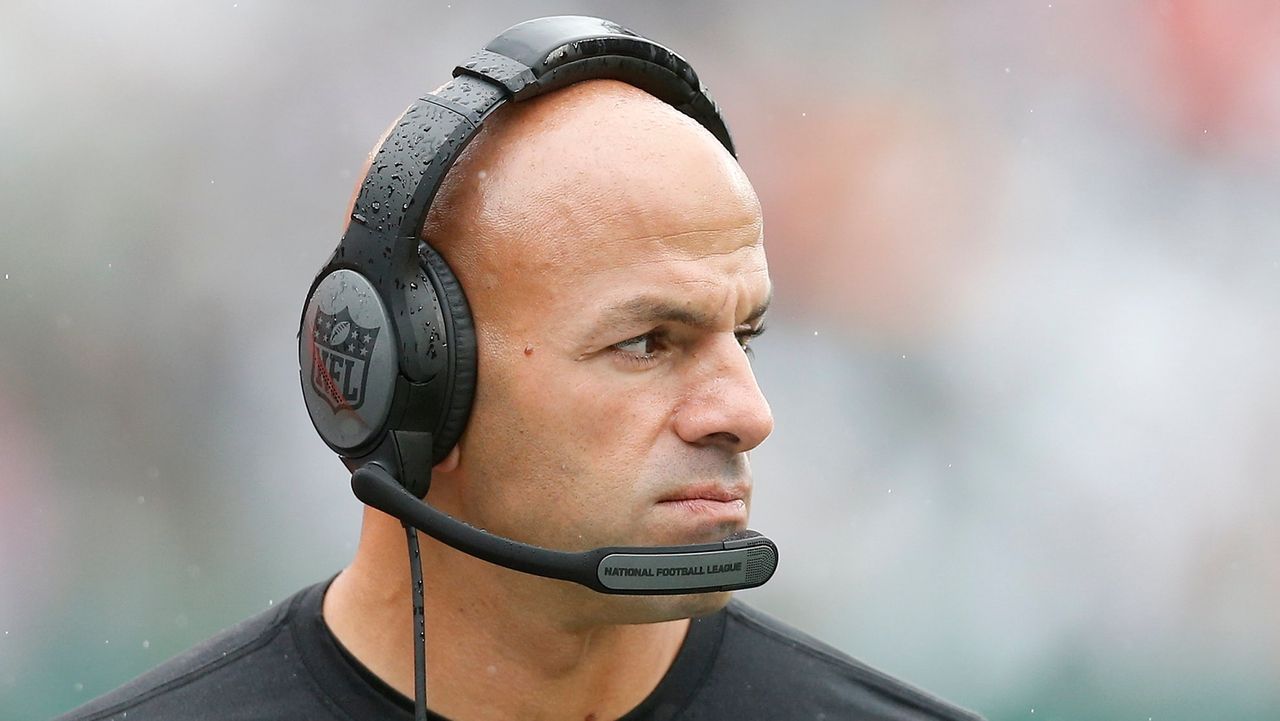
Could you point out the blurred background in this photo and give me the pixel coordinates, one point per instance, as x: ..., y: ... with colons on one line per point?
x: 1022, y: 355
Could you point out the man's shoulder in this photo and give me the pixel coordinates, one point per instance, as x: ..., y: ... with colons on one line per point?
x: 807, y: 674
x: 238, y: 663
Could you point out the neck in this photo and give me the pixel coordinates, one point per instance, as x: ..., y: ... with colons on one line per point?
x: 500, y: 644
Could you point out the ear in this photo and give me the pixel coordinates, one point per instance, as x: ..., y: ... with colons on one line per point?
x: 449, y: 462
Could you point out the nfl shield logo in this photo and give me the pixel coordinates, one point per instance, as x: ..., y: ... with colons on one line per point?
x: 340, y: 359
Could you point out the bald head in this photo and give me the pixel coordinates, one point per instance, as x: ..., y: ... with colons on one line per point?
x: 567, y: 179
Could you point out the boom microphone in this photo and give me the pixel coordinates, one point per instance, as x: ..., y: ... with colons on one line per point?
x: 744, y: 560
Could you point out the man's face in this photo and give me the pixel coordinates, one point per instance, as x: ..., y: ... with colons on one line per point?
x: 614, y: 293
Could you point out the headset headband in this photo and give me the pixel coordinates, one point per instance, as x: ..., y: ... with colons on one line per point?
x: 527, y: 60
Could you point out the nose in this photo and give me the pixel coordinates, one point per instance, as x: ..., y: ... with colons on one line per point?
x: 724, y: 406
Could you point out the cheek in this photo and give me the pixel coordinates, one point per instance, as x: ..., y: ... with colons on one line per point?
x: 502, y: 446
x: 615, y: 416
x: 546, y: 425
x: 549, y: 434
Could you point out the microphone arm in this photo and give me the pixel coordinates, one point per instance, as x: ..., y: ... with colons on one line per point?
x: 743, y: 560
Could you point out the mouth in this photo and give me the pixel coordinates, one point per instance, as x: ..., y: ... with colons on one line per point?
x: 726, y: 506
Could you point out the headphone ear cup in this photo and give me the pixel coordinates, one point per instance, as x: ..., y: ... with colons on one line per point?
x: 461, y: 339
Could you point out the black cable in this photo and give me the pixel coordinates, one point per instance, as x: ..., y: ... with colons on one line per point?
x: 419, y: 628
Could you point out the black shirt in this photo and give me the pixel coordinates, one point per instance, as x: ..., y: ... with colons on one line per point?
x: 283, y: 664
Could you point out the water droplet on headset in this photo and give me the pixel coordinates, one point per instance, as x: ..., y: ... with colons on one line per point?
x: 413, y: 285
x: 376, y: 204
x: 358, y: 218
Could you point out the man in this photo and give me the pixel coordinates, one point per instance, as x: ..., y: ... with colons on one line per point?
x: 612, y: 255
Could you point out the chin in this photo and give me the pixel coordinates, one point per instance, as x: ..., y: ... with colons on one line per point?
x: 657, y: 609
x: 703, y: 604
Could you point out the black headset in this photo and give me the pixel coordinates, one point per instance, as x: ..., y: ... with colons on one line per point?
x: 387, y: 345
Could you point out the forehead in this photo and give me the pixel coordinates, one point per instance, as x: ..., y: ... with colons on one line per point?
x: 690, y: 228
x: 628, y: 190
x: 598, y: 184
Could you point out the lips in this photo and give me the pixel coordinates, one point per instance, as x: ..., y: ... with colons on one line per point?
x: 719, y: 510
x: 707, y: 492
x: 711, y: 505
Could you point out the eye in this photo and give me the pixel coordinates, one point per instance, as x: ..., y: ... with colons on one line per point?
x: 746, y: 335
x: 642, y: 347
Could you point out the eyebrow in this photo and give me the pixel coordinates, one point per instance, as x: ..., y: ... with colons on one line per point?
x: 647, y: 308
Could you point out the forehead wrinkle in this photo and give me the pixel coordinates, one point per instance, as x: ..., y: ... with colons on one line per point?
x: 693, y: 233
x: 651, y: 308
x: 605, y: 253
